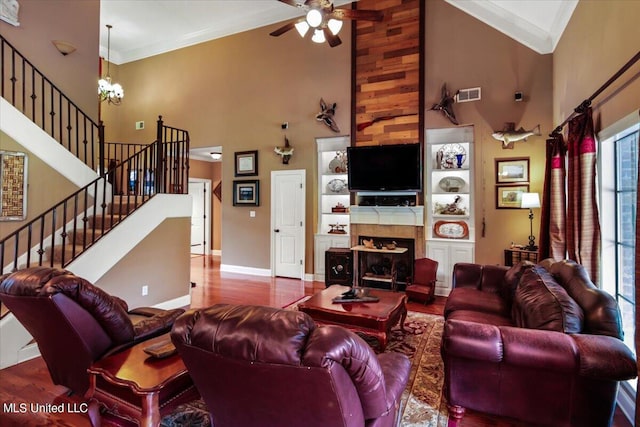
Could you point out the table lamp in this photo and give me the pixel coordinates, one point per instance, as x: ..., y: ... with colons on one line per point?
x: 530, y: 200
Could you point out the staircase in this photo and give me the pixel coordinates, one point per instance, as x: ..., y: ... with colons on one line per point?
x: 81, y: 231
x: 97, y: 226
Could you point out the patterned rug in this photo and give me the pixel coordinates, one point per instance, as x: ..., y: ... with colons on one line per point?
x: 423, y: 403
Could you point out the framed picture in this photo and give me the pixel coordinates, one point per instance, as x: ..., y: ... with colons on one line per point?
x: 512, y: 170
x: 246, y: 193
x: 510, y: 196
x: 13, y: 192
x: 246, y: 163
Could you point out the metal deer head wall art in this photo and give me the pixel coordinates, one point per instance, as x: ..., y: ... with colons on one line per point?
x: 326, y: 115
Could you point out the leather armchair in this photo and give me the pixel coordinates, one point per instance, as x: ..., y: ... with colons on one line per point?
x: 261, y: 366
x: 76, y: 323
x: 422, y: 286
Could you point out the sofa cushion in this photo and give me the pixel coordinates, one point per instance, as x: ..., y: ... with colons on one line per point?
x: 475, y: 300
x: 512, y: 278
x: 479, y: 317
x: 541, y: 303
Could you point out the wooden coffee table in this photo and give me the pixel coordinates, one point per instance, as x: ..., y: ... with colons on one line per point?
x: 135, y: 386
x: 375, y: 319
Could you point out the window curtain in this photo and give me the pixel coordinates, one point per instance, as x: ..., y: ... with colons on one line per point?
x: 583, y: 225
x: 553, y: 213
x: 569, y: 224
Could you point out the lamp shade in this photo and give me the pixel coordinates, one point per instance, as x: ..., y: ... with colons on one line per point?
x: 334, y: 25
x: 314, y: 18
x: 302, y: 28
x: 318, y: 36
x: 530, y: 200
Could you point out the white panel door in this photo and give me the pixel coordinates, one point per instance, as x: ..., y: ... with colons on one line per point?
x: 199, y: 216
x: 287, y: 221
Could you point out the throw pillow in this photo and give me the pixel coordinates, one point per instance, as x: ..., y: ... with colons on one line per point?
x: 541, y: 303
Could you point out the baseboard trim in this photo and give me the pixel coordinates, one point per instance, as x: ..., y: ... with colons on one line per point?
x: 216, y: 252
x: 310, y: 278
x: 28, y: 352
x: 245, y: 270
x: 179, y: 302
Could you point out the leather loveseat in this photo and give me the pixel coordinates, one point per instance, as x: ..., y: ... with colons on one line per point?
x: 536, y: 343
x: 261, y: 366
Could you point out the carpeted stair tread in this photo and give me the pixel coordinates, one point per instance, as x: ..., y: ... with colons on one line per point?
x: 109, y: 220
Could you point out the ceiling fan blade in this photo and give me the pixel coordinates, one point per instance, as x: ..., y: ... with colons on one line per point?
x: 283, y: 29
x: 293, y: 3
x: 332, y: 39
x: 365, y: 15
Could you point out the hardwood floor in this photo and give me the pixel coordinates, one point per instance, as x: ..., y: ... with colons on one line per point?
x: 29, y: 382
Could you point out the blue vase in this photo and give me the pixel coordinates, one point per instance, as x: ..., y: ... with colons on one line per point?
x: 460, y: 159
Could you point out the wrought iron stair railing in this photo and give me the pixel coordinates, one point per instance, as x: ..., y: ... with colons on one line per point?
x: 31, y: 92
x: 63, y: 232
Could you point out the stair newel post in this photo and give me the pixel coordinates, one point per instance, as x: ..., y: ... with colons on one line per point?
x: 101, y: 158
x: 159, y: 172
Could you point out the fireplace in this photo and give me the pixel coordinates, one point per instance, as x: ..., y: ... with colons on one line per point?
x: 384, y: 224
x: 373, y: 265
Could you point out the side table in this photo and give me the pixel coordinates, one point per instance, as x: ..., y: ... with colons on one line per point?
x: 135, y: 386
x: 514, y: 256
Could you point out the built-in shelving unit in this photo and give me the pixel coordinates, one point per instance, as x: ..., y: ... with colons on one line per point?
x: 449, y: 200
x: 333, y: 200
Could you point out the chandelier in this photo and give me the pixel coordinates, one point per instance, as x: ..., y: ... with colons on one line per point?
x: 107, y: 91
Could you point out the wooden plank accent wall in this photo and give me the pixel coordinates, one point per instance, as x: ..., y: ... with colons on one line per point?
x: 388, y: 73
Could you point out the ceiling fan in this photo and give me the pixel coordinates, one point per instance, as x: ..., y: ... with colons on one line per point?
x: 324, y: 19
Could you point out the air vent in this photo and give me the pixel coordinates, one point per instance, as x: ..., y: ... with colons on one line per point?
x: 468, y: 95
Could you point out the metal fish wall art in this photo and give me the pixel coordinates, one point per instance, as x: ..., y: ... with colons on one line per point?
x: 509, y: 134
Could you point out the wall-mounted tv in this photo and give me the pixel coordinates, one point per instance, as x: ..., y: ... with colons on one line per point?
x: 385, y: 168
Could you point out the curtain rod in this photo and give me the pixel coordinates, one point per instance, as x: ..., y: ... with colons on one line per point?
x: 587, y: 102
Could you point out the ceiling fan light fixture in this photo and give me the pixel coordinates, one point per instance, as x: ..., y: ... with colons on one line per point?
x: 302, y: 28
x: 335, y: 25
x: 314, y: 18
x: 318, y: 36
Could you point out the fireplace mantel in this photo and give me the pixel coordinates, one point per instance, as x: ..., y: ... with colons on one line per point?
x: 388, y: 215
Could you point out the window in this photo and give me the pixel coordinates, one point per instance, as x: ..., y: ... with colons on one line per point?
x: 626, y: 184
x: 618, y: 184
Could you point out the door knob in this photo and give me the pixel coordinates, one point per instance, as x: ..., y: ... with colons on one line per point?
x: 277, y: 230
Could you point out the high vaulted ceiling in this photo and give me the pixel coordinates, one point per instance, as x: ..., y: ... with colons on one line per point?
x: 143, y: 28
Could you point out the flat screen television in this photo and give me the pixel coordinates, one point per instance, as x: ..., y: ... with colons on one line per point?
x: 385, y: 168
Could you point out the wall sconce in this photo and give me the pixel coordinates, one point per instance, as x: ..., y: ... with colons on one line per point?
x: 530, y: 200
x: 65, y: 48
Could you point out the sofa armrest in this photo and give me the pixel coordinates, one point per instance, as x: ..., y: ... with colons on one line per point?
x: 593, y: 356
x: 396, y: 368
x: 155, y: 321
x: 605, y: 357
x: 471, y: 340
x: 514, y: 346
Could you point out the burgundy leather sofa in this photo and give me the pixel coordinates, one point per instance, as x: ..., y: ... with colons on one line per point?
x: 266, y: 367
x: 76, y: 323
x: 536, y: 343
